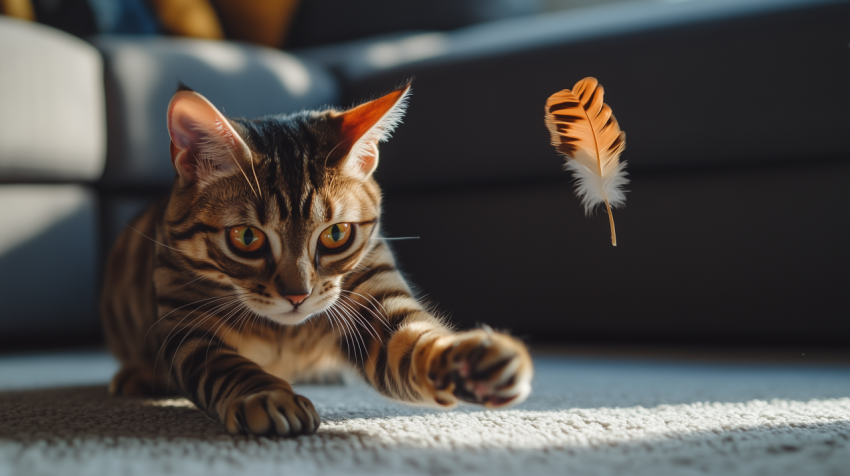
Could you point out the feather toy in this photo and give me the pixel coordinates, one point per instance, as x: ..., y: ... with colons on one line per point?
x: 585, y: 131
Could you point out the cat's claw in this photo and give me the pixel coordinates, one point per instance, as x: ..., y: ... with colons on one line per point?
x: 273, y: 413
x: 480, y: 366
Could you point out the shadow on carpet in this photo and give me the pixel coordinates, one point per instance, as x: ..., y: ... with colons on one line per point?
x: 82, y: 430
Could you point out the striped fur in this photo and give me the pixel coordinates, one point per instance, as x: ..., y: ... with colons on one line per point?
x: 186, y: 315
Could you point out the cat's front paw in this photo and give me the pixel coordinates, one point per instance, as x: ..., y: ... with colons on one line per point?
x: 275, y: 412
x: 479, y: 366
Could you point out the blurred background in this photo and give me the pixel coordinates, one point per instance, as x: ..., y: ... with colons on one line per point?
x: 735, y: 229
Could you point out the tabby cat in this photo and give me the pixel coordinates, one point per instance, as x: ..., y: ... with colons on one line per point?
x: 265, y: 265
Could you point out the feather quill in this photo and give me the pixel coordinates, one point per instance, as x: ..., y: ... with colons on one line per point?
x: 584, y: 130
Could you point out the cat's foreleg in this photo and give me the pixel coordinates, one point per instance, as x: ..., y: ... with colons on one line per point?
x: 138, y: 380
x: 234, y: 389
x: 413, y: 356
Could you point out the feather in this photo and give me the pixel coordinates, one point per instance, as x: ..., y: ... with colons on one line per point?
x: 584, y: 130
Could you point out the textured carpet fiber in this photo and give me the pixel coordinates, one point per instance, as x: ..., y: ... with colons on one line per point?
x: 585, y: 417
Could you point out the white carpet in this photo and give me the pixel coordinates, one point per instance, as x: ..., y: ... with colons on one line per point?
x: 584, y: 417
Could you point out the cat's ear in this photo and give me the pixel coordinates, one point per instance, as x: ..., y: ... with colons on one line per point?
x: 362, y: 127
x: 203, y: 142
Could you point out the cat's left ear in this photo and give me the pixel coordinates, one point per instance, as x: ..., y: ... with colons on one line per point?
x: 204, y: 144
x: 362, y: 127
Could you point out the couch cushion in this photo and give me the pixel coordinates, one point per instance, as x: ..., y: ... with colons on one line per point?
x: 52, y: 119
x: 693, y: 83
x: 719, y: 256
x: 241, y: 80
x: 49, y: 257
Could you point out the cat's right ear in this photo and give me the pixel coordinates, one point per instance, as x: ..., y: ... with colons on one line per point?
x: 363, y: 127
x: 204, y: 144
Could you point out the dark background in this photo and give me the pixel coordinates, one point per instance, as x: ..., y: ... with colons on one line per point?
x: 736, y: 220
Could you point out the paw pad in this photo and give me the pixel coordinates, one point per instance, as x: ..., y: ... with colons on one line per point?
x: 480, y: 367
x: 276, y: 412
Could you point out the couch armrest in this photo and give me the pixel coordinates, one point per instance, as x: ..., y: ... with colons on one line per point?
x: 52, y: 112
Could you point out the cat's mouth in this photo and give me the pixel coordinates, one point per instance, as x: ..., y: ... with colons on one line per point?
x: 274, y: 312
x: 295, y: 316
x: 290, y: 317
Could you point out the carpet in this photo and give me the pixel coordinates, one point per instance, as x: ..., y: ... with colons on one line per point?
x: 585, y: 417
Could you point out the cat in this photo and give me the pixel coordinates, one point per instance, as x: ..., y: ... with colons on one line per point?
x: 265, y: 265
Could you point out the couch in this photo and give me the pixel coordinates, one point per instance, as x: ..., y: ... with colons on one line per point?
x: 735, y: 110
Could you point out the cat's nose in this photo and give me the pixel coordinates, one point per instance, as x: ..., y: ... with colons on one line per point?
x: 296, y: 299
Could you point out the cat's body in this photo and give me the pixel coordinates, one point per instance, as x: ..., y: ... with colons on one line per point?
x: 265, y: 266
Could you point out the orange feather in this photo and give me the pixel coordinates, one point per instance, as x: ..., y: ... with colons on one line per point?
x: 584, y: 130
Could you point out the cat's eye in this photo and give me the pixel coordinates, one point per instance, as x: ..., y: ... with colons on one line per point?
x: 246, y: 238
x: 336, y: 236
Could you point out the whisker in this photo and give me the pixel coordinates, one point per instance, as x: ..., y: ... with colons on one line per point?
x: 148, y: 237
x: 239, y: 306
x: 244, y: 174
x: 332, y: 318
x: 356, y: 336
x: 255, y: 319
x: 243, y: 319
x: 190, y: 282
x: 174, y: 328
x: 333, y: 329
x: 207, y: 315
x: 178, y: 327
x: 204, y: 318
x: 351, y: 314
x: 383, y: 318
x: 397, y: 238
x: 386, y: 315
x: 238, y: 325
x: 342, y: 325
x: 360, y: 319
x: 259, y: 189
x: 224, y: 320
x: 360, y: 267
x: 350, y: 341
x: 181, y: 307
x: 211, y: 300
x: 332, y: 151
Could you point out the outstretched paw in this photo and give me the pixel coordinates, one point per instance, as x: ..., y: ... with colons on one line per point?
x: 275, y: 412
x: 480, y: 366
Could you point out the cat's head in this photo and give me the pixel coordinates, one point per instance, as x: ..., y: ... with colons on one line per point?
x: 277, y: 209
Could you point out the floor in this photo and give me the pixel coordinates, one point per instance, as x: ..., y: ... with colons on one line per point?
x: 637, y: 412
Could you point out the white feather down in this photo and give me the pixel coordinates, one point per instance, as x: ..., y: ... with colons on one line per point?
x: 593, y: 189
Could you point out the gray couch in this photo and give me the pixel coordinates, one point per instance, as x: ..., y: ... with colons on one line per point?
x: 736, y: 112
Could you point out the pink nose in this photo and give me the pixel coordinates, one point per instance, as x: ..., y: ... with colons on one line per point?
x: 296, y: 299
